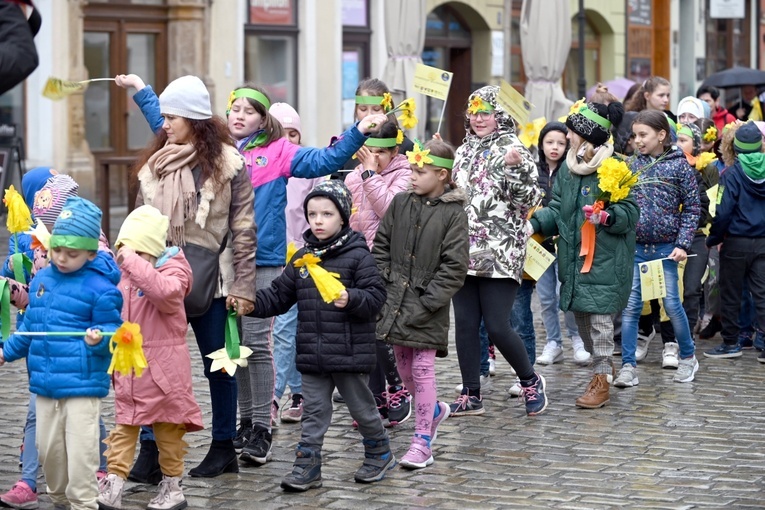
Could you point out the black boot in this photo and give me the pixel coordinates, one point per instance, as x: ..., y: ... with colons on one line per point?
x: 243, y: 434
x: 146, y: 468
x: 306, y: 472
x: 220, y: 459
x: 378, y: 459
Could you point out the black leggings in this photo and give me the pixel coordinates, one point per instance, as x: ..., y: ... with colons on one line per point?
x: 385, y: 371
x: 490, y: 299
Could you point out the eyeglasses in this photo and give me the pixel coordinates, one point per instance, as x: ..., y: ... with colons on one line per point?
x: 480, y: 115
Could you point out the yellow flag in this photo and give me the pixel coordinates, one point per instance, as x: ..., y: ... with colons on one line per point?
x: 537, y: 259
x: 652, y: 285
x: 514, y: 103
x: 432, y: 81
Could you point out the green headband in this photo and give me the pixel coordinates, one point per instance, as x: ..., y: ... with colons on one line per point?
x: 73, y: 242
x: 385, y: 143
x: 250, y: 94
x: 747, y: 146
x: 376, y: 100
x: 593, y: 116
x: 685, y: 130
x: 441, y: 162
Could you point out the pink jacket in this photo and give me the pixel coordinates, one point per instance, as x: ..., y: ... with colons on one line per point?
x: 297, y: 189
x: 153, y: 297
x: 372, y: 197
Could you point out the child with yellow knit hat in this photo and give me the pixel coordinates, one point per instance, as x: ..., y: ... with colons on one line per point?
x: 155, y: 280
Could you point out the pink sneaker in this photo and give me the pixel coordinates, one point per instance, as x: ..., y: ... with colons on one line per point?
x: 418, y: 456
x: 100, y: 475
x: 445, y: 411
x: 20, y: 496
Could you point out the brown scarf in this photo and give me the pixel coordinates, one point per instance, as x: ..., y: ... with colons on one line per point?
x: 176, y: 195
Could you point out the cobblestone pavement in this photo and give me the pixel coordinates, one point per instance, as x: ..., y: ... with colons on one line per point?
x: 659, y: 445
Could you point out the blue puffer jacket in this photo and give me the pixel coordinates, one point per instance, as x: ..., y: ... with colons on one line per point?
x: 66, y: 366
x: 668, y: 196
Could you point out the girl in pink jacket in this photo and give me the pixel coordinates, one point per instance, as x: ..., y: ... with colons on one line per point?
x: 155, y: 280
x: 381, y: 175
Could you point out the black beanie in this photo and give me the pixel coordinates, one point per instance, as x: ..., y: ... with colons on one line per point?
x: 336, y: 191
x: 593, y: 121
x: 551, y: 126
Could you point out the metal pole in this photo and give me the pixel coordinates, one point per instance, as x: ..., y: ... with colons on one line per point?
x: 581, y: 82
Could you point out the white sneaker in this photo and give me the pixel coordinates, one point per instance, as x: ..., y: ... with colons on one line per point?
x: 670, y: 355
x: 551, y: 354
x: 581, y: 356
x: 642, y: 345
x: 627, y: 377
x: 515, y: 390
x: 492, y: 366
x: 687, y: 370
x: 110, y: 491
x: 170, y: 495
x: 485, y: 385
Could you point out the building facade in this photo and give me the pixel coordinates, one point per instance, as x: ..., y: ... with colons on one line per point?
x: 312, y: 54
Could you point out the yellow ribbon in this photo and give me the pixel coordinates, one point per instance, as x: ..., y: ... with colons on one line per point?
x: 327, y: 283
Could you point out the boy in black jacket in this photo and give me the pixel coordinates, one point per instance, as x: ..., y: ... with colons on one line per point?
x: 335, y: 340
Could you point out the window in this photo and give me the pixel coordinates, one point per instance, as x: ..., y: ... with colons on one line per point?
x: 356, y: 35
x: 728, y: 42
x: 270, y: 51
x: 591, y: 59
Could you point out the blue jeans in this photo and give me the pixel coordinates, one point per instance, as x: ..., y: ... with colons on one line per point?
x: 548, y: 290
x: 284, y: 333
x: 522, y: 320
x: 673, y: 305
x: 209, y: 330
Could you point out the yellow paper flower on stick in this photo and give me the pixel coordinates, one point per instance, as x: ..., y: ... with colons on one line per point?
x: 126, y: 346
x: 328, y: 284
x: 529, y: 132
x: 704, y: 159
x: 19, y: 218
x: 387, y: 102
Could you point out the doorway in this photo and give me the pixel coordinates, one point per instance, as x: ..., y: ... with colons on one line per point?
x: 448, y: 43
x: 121, y: 40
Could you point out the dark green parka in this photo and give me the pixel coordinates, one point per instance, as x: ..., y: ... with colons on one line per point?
x: 606, y: 288
x: 421, y: 249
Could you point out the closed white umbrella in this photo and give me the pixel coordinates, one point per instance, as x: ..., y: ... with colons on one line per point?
x: 404, y: 39
x: 545, y: 45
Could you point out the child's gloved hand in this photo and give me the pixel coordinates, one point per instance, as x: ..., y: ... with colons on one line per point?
x: 595, y: 218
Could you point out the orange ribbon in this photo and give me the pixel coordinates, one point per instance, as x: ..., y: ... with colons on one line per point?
x: 587, y: 249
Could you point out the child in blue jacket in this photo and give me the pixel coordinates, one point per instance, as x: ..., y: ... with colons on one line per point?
x: 77, y: 292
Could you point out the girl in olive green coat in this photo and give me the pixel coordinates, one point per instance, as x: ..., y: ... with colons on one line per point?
x: 421, y: 249
x: 595, y: 295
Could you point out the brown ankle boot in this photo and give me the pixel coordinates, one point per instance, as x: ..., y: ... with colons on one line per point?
x: 596, y: 394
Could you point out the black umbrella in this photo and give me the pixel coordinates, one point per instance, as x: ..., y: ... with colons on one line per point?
x: 736, y: 77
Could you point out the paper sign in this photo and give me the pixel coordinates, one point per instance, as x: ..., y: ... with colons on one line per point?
x: 514, y: 103
x: 537, y: 259
x: 652, y: 285
x: 432, y: 81
x: 712, y: 194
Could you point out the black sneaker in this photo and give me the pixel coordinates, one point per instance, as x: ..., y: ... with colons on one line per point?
x: 243, y: 434
x: 306, y: 471
x: 337, y: 397
x: 711, y: 329
x: 534, y: 396
x: 258, y: 448
x: 399, y: 405
x: 723, y: 351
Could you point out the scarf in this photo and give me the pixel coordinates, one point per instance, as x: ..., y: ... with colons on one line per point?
x: 321, y: 248
x: 176, y: 195
x: 583, y: 168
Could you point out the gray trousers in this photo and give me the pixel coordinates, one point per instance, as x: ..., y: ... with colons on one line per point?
x: 317, y: 406
x: 256, y: 381
x: 597, y: 332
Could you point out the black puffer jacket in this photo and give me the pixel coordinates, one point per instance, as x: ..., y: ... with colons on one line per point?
x: 331, y: 339
x: 422, y: 250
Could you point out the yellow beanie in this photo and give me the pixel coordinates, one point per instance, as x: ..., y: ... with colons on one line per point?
x: 144, y: 230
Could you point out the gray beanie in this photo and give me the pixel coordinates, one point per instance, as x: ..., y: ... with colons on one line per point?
x: 186, y: 97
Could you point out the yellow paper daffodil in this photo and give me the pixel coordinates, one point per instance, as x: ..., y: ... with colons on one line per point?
x: 710, y: 135
x: 231, y: 99
x: 477, y: 104
x: 399, y: 137
x: 418, y: 156
x: 221, y: 361
x: 529, y: 132
x: 19, y: 218
x: 574, y: 108
x: 407, y: 104
x: 407, y: 119
x: 328, y: 284
x: 126, y: 346
x: 387, y: 102
x: 616, y: 179
x: 704, y: 159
